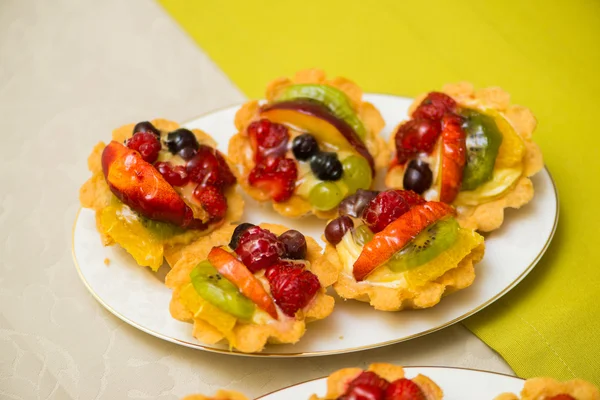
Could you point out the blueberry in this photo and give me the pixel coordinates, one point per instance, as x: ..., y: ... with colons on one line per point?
x: 181, y: 139
x: 146, y: 126
x: 304, y: 146
x: 418, y: 176
x: 355, y: 204
x: 326, y: 166
x: 237, y: 233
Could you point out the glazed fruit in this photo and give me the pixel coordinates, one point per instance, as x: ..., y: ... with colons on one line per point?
x: 337, y: 228
x: 562, y: 397
x: 326, y: 166
x: 387, y: 206
x: 426, y: 246
x: 304, y: 146
x: 258, y: 248
x: 275, y: 176
x: 453, y: 157
x: 147, y: 127
x: 363, y: 392
x: 217, y: 290
x: 357, y: 173
x: 226, y: 176
x: 237, y: 233
x: 414, y: 136
x: 334, y: 99
x: 418, y: 176
x: 203, y: 167
x: 483, y: 140
x: 181, y: 139
x: 292, y: 287
x: 146, y: 144
x: 435, y: 106
x: 175, y: 175
x: 325, y: 196
x: 404, y: 389
x: 362, y: 235
x: 268, y: 139
x: 355, y: 204
x: 369, y: 378
x: 294, y: 243
x: 212, y: 200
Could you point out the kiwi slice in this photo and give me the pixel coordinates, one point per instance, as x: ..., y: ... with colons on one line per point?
x: 426, y: 246
x: 483, y: 139
x: 217, y: 290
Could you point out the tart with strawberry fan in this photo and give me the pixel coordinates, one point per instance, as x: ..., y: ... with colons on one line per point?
x: 398, y: 251
x: 551, y: 389
x: 248, y: 285
x: 220, y: 395
x: 380, y: 381
x: 469, y: 148
x: 311, y: 144
x: 156, y: 187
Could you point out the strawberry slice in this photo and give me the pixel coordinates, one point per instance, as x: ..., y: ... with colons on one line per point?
x: 237, y: 273
x: 404, y: 389
x: 275, y: 176
x: 454, y: 151
x: 396, y: 235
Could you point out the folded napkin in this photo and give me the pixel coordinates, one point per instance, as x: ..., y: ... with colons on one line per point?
x: 546, y: 54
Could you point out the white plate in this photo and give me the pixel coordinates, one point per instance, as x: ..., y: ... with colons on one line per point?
x: 457, y: 384
x: 138, y: 296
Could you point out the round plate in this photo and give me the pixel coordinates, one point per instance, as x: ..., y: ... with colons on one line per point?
x: 457, y: 384
x: 138, y: 296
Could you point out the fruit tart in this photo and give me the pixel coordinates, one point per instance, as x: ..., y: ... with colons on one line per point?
x: 220, y: 395
x: 157, y: 186
x: 312, y: 143
x: 379, y: 382
x: 468, y: 148
x: 550, y: 389
x: 398, y: 251
x: 248, y: 285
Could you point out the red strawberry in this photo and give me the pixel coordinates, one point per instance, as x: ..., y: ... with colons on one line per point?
x: 275, y: 176
x: 562, y: 397
x: 434, y: 106
x: 369, y: 378
x: 175, y: 175
x: 404, y: 389
x: 213, y: 201
x: 292, y: 287
x: 259, y: 248
x: 363, y: 392
x: 268, y: 139
x: 147, y: 144
x: 415, y: 136
x: 226, y: 177
x: 203, y: 168
x: 388, y: 206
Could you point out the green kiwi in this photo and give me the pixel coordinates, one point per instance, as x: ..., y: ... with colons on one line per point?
x: 221, y: 293
x: 483, y: 142
x: 426, y: 246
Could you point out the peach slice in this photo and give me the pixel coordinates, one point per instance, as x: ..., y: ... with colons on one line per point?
x: 454, y: 157
x: 139, y: 185
x: 396, y: 235
x: 238, y: 274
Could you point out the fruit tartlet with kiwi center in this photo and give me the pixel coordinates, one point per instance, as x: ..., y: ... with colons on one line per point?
x: 468, y: 148
x: 397, y: 251
x: 156, y: 187
x: 312, y: 142
x: 220, y: 395
x: 550, y: 389
x: 249, y: 285
x: 379, y: 382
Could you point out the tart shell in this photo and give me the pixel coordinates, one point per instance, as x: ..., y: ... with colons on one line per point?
x: 545, y: 388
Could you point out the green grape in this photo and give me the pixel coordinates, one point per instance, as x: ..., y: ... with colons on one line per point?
x: 325, y: 196
x: 362, y: 235
x: 357, y: 173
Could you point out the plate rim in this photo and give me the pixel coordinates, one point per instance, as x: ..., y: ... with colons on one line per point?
x: 199, y: 346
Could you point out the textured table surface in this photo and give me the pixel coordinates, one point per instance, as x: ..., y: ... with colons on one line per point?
x: 70, y: 71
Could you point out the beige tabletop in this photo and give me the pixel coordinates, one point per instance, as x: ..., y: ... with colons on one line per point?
x: 70, y: 71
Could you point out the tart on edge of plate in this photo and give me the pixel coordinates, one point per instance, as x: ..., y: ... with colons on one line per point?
x: 311, y: 144
x: 249, y: 285
x: 380, y: 381
x: 469, y: 148
x: 157, y: 186
x: 551, y: 389
x: 220, y: 395
x: 397, y: 251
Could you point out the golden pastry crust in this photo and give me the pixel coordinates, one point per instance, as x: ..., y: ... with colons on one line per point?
x: 220, y: 395
x: 489, y: 216
x: 240, y: 151
x: 337, y: 382
x: 96, y: 195
x: 546, y: 388
x: 248, y: 338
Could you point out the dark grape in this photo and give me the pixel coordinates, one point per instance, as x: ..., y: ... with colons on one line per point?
x: 336, y: 229
x: 294, y: 243
x: 304, y: 146
x: 235, y: 237
x: 326, y: 166
x: 146, y: 126
x: 354, y: 205
x: 417, y: 177
x: 181, y: 139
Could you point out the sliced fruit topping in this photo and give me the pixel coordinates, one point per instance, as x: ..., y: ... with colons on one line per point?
x: 139, y: 185
x: 314, y: 117
x: 417, y: 177
x: 226, y: 176
x: 415, y: 136
x: 512, y: 149
x: 238, y: 274
x: 325, y: 196
x: 426, y: 246
x: 212, y: 200
x: 326, y: 166
x: 357, y: 173
x: 237, y: 233
x: 175, y: 175
x: 337, y: 228
x: 434, y: 106
x: 208, y: 167
x: 355, y: 204
x: 387, y: 206
x: 334, y: 99
x: 223, y: 321
x: 259, y: 248
x: 362, y: 235
x: 295, y: 245
x: 147, y: 127
x: 147, y: 144
x: 366, y: 386
x: 268, y: 139
x: 304, y: 146
x: 396, y: 235
x: 404, y: 389
x: 483, y: 140
x: 370, y: 378
x: 182, y: 142
x: 292, y: 287
x: 217, y: 290
x: 453, y: 157
x: 275, y: 176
